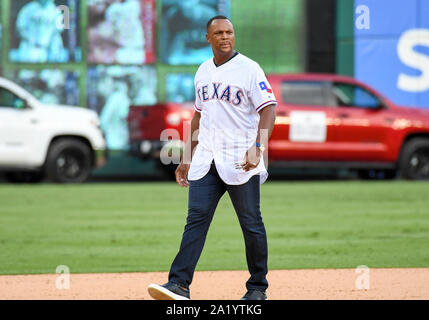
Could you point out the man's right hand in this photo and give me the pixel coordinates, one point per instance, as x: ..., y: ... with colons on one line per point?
x: 182, y: 174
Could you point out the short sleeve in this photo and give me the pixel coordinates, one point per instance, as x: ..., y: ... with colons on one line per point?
x: 261, y: 93
x: 197, y: 104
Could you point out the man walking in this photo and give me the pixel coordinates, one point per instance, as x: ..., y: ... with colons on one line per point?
x: 234, y: 118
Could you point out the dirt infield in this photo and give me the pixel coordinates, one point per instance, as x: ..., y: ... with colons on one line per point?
x: 227, y: 285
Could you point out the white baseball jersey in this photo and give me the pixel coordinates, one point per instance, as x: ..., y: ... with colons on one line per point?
x: 229, y: 97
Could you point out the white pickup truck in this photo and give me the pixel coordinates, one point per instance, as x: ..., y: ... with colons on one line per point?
x: 61, y: 143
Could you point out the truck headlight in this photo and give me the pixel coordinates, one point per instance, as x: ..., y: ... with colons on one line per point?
x: 174, y: 118
x: 95, y: 123
x: 145, y: 147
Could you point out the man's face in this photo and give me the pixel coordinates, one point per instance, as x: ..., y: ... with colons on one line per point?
x: 221, y: 36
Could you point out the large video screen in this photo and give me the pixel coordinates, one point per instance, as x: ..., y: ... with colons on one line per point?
x: 44, y: 31
x: 272, y: 33
x: 182, y: 38
x: 111, y: 91
x: 180, y: 87
x: 49, y: 86
x: 121, y: 32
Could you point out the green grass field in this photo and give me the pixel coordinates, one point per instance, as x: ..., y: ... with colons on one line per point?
x: 129, y: 227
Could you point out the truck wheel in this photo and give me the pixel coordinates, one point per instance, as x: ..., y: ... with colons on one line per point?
x: 24, y: 176
x: 414, y: 160
x: 68, y: 161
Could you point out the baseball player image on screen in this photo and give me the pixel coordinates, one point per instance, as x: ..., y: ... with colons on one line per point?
x: 233, y: 121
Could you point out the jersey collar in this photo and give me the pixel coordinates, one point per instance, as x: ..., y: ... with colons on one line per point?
x: 218, y: 65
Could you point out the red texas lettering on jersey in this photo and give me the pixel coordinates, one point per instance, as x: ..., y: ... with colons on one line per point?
x: 264, y: 86
x: 215, y: 91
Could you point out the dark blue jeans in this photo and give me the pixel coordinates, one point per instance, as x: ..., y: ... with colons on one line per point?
x: 204, y: 195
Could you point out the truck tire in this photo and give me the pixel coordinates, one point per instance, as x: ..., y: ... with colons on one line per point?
x: 414, y: 159
x: 68, y: 161
x: 24, y: 176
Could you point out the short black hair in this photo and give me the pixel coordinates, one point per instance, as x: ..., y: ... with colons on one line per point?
x: 216, y: 18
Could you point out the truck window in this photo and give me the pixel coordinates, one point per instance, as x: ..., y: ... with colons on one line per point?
x: 349, y: 95
x: 10, y: 100
x: 304, y: 93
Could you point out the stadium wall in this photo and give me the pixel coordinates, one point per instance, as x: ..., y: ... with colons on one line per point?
x: 385, y: 43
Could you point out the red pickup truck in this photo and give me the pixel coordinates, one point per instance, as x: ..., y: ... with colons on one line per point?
x: 322, y: 121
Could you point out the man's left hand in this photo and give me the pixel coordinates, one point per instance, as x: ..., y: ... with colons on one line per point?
x: 252, y: 158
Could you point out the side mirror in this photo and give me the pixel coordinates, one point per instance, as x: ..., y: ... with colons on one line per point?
x: 27, y: 105
x: 382, y: 105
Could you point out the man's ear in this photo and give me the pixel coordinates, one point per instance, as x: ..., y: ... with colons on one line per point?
x: 207, y: 38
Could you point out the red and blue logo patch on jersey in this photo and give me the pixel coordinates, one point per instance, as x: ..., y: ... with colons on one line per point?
x: 264, y: 86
